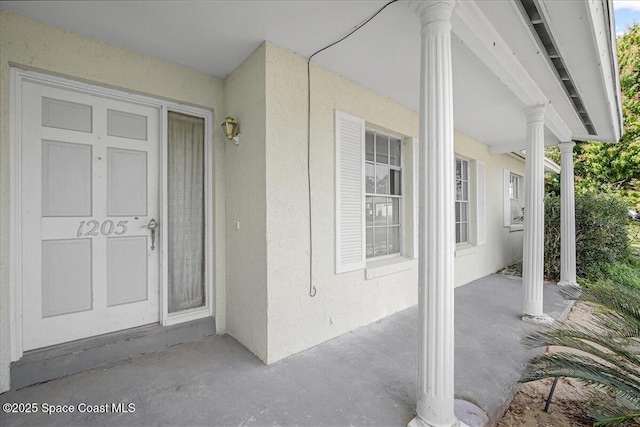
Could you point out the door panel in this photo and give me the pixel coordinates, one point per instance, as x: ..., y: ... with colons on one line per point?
x: 66, y: 276
x: 126, y: 125
x: 126, y: 269
x: 61, y: 114
x: 127, y: 183
x: 66, y: 179
x: 89, y: 172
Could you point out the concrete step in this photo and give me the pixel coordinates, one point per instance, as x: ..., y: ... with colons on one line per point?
x: 41, y: 365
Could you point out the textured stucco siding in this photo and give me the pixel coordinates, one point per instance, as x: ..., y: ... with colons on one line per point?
x: 31, y: 45
x: 245, y: 99
x: 343, y: 301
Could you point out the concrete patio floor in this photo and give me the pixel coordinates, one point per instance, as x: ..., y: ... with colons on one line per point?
x: 365, y: 377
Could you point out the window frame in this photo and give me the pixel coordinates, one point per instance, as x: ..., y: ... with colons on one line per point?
x: 515, y: 195
x: 467, y: 203
x: 400, y: 196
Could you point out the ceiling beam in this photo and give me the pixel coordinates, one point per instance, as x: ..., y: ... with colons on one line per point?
x: 515, y: 147
x: 477, y: 32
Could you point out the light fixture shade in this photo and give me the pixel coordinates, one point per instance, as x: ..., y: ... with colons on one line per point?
x: 231, y: 128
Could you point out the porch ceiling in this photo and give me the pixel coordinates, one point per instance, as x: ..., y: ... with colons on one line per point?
x: 215, y: 37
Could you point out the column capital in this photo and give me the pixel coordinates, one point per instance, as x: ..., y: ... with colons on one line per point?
x: 566, y: 147
x: 535, y: 113
x: 433, y: 13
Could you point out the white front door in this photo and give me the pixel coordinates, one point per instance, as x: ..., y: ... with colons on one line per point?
x: 89, y: 189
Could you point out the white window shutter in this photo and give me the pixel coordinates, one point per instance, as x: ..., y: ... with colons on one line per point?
x: 416, y: 196
x: 506, y: 199
x: 481, y: 202
x: 350, y: 227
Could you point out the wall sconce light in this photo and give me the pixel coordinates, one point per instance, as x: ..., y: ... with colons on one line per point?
x: 231, y: 130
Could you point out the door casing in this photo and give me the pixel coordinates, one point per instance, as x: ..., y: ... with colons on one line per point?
x: 18, y: 76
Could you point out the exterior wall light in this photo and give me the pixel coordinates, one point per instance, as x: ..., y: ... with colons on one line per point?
x: 231, y: 130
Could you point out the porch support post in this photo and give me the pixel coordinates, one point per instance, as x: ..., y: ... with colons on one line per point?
x: 568, y: 217
x: 533, y: 257
x: 436, y: 241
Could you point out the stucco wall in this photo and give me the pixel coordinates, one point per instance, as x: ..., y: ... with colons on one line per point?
x: 343, y: 301
x: 29, y: 44
x: 244, y: 99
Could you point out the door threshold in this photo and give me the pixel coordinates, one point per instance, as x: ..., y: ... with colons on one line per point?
x: 49, y: 363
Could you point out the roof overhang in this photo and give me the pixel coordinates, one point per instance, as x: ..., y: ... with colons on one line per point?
x: 498, y: 62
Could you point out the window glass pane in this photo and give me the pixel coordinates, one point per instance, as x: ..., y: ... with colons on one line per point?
x: 394, y: 211
x: 394, y: 240
x: 465, y: 190
x: 458, y: 233
x: 395, y: 182
x: 465, y: 170
x: 517, y: 215
x: 458, y: 169
x: 459, y: 192
x: 382, y: 148
x: 382, y: 179
x: 369, y: 242
x: 369, y: 210
x: 370, y: 177
x: 514, y: 187
x: 380, y: 238
x: 463, y: 212
x: 380, y: 210
x: 368, y: 146
x: 394, y: 152
x: 463, y: 233
x: 457, y: 211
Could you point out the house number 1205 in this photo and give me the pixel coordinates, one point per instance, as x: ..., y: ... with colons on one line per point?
x: 106, y: 229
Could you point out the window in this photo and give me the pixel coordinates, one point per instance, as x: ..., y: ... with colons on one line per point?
x: 186, y: 211
x: 462, y: 201
x: 383, y: 195
x: 515, y: 199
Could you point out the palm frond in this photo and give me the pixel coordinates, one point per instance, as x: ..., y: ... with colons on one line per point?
x: 617, y: 420
x: 619, y: 299
x: 615, y: 350
x: 585, y: 369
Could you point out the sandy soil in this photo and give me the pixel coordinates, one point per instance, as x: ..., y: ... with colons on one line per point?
x: 569, y: 401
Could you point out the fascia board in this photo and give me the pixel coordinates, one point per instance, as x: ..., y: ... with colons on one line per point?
x: 605, y: 43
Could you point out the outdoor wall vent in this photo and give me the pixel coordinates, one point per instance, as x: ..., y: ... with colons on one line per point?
x: 540, y: 28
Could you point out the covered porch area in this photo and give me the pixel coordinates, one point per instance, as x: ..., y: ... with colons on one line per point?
x: 365, y: 377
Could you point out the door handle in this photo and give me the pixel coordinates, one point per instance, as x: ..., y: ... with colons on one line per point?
x: 152, y: 225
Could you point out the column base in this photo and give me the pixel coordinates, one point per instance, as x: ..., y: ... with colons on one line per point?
x: 467, y: 415
x: 568, y: 284
x: 419, y: 422
x: 569, y: 290
x: 540, y: 319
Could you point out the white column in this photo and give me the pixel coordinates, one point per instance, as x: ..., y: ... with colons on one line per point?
x: 437, y: 240
x: 568, y: 217
x: 533, y: 256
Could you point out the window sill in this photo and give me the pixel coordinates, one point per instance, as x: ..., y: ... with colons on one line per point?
x: 516, y: 227
x: 466, y: 249
x: 385, y: 267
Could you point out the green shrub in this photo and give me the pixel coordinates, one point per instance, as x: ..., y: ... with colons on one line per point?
x: 601, y: 235
x: 552, y: 236
x: 619, y: 274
